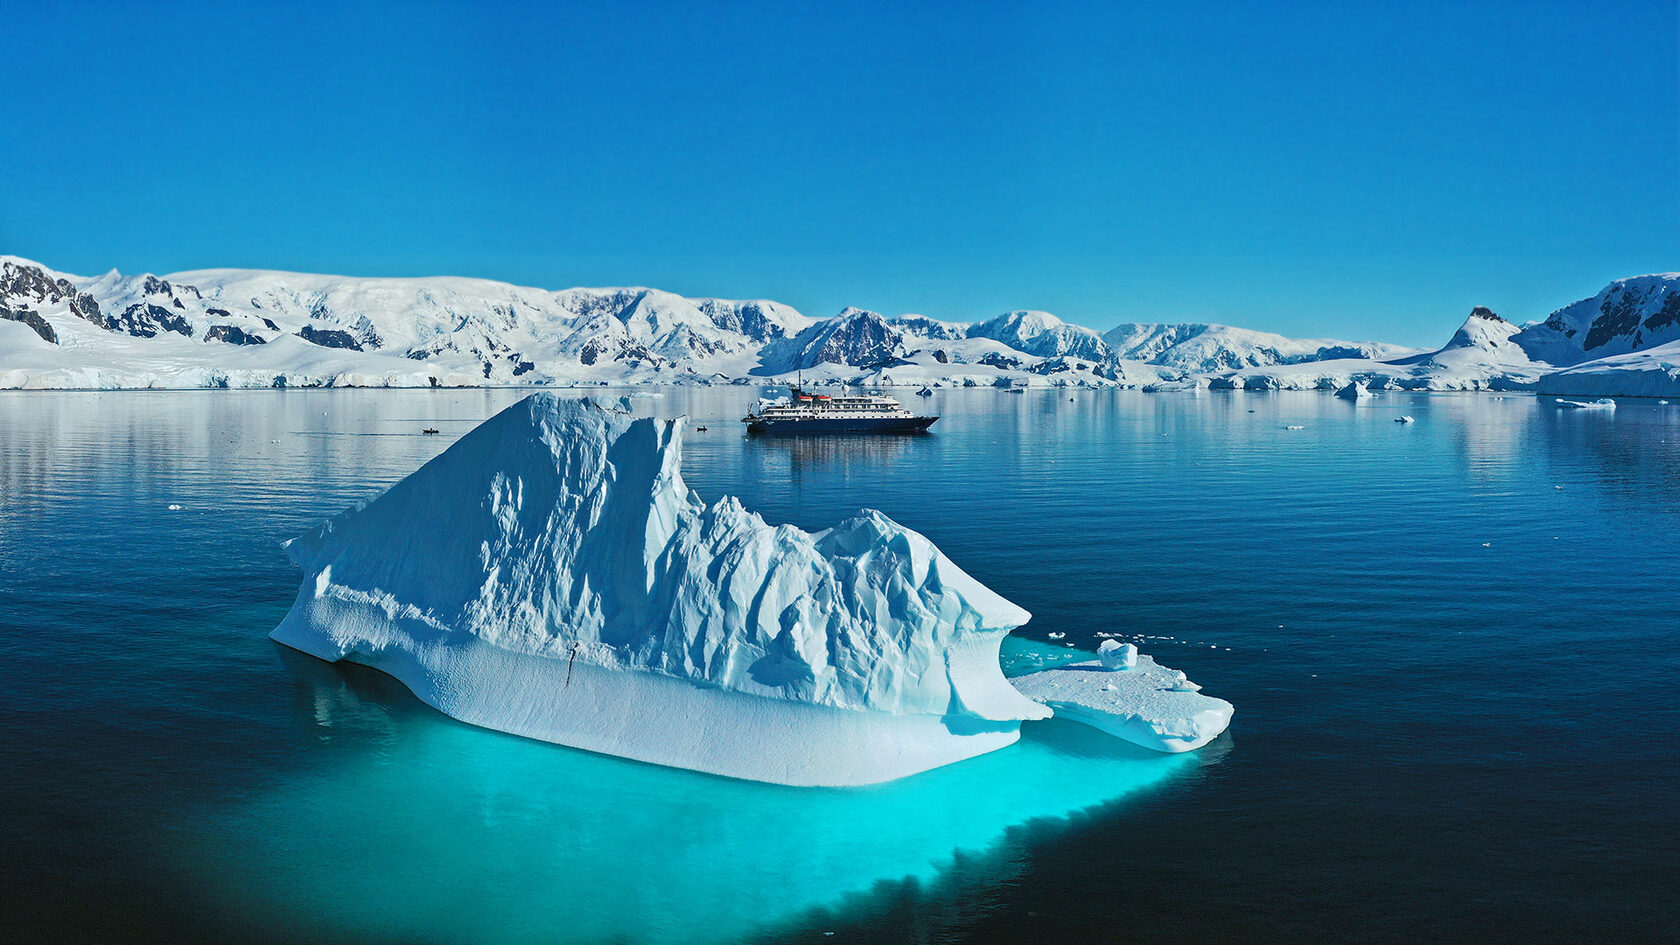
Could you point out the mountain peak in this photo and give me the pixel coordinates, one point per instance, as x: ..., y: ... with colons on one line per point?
x: 1484, y: 330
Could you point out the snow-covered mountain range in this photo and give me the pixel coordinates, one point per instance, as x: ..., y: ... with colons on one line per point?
x: 253, y: 328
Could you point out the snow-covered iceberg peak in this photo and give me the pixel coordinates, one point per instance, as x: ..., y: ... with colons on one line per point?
x: 551, y: 575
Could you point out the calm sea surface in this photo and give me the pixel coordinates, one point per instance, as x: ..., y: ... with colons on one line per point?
x: 1451, y: 645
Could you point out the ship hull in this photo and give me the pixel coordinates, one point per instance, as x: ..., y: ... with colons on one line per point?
x: 780, y: 427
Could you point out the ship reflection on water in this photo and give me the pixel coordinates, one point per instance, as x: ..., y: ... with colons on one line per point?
x: 829, y: 452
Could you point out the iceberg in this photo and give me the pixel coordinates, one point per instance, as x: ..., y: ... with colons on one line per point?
x: 550, y: 575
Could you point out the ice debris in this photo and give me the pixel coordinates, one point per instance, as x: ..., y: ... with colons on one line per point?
x: 551, y: 575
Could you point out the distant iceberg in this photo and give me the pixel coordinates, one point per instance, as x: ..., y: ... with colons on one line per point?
x: 1354, y: 391
x: 551, y: 575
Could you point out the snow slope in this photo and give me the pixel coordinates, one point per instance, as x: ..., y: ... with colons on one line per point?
x: 1653, y: 372
x: 550, y: 575
x: 1628, y: 315
x: 1202, y: 349
x: 251, y: 328
x: 1481, y: 355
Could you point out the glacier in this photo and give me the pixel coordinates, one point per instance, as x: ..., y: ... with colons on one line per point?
x: 551, y: 575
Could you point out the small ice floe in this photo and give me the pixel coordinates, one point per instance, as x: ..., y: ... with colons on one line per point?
x: 1487, y: 544
x: 1141, y: 701
x: 1403, y: 419
x: 174, y: 508
x: 1056, y: 635
x: 1602, y: 403
x: 1294, y: 426
x: 1663, y: 403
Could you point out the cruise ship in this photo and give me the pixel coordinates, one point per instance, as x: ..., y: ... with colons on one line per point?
x: 805, y: 412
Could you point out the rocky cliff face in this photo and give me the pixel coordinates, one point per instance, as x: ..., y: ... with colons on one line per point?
x: 1628, y: 315
x: 27, y: 291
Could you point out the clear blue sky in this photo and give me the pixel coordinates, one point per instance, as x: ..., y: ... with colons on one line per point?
x: 1368, y: 170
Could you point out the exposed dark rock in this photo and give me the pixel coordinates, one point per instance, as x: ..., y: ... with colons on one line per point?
x: 1001, y: 361
x: 523, y: 367
x: 33, y: 320
x: 1669, y: 314
x: 233, y: 335
x: 748, y: 318
x: 940, y: 356
x: 20, y: 284
x: 329, y: 338
x: 271, y: 325
x: 855, y: 337
x: 1620, y: 316
x: 145, y: 320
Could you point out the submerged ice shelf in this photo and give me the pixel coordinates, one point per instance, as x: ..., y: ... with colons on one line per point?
x: 1131, y: 697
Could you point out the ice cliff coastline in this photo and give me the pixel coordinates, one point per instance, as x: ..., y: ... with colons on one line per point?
x: 260, y: 329
x: 550, y: 575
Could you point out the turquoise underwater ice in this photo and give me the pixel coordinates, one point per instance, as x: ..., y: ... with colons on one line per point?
x: 447, y: 832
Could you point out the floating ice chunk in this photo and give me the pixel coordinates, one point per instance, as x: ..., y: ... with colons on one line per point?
x: 174, y: 508
x: 1603, y: 403
x: 1148, y: 705
x: 551, y: 575
x: 1403, y: 419
x: 1056, y: 635
x: 1294, y: 426
x: 1116, y: 655
x: 1354, y: 391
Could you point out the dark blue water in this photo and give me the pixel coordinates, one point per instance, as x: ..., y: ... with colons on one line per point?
x: 1451, y: 645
